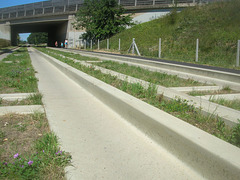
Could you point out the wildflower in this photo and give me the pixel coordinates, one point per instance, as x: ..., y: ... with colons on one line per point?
x: 5, y: 163
x: 43, y: 151
x: 22, y: 166
x: 16, y: 155
x: 30, y: 163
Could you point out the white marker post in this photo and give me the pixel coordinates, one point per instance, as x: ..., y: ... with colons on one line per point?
x: 197, y: 44
x: 91, y: 44
x: 119, y: 45
x: 159, y: 48
x: 85, y: 44
x: 107, y: 44
x: 98, y: 44
x: 238, y: 49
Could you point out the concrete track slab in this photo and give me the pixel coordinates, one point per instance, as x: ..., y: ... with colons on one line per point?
x: 221, y: 96
x: 15, y: 96
x: 196, y: 88
x: 29, y: 109
x: 230, y: 116
x: 4, y: 55
x: 103, y: 145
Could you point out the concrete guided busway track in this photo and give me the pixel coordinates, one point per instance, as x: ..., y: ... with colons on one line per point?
x: 130, y: 140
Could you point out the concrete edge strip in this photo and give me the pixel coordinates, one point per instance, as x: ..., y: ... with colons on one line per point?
x: 209, y: 156
x: 28, y: 109
x: 15, y: 96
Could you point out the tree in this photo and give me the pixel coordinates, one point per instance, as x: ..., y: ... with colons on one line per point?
x: 37, y: 38
x: 101, y: 19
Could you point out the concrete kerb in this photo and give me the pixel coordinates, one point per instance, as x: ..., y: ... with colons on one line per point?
x: 206, y: 154
x: 230, y: 116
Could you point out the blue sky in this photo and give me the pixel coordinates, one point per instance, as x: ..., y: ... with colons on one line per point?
x: 8, y: 3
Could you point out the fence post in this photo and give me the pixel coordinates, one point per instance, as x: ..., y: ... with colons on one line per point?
x: 197, y: 44
x: 135, y: 3
x: 159, y: 50
x: 119, y: 44
x: 119, y: 2
x: 107, y: 44
x: 133, y: 46
x: 238, y: 49
x: 85, y: 44
x: 153, y: 2
x: 91, y: 43
x: 98, y: 44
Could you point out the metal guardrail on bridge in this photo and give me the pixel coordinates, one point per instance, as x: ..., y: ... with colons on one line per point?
x: 68, y: 6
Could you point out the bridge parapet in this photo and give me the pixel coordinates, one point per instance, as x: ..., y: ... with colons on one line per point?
x: 72, y: 6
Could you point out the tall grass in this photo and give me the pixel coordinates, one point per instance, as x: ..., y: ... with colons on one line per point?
x: 216, y: 25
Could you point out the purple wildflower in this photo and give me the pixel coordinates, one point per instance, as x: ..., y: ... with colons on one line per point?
x: 16, y: 155
x: 30, y: 163
x: 43, y: 151
x: 22, y: 166
x: 5, y: 163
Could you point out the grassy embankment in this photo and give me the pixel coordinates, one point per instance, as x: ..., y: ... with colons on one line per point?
x: 28, y: 149
x: 216, y: 25
x: 176, y: 107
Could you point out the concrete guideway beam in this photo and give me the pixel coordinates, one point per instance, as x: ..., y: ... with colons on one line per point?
x: 211, y: 157
x: 230, y: 116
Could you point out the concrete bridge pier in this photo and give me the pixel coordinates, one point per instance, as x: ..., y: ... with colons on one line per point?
x: 73, y: 35
x: 5, y: 34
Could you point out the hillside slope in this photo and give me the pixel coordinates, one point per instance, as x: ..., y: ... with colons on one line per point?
x: 217, y: 26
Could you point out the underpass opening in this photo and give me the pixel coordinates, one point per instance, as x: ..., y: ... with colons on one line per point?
x: 56, y: 30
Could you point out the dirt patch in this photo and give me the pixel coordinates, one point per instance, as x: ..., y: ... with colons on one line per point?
x: 19, y: 132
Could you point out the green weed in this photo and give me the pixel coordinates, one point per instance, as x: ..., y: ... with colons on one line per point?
x: 46, y: 158
x: 150, y: 76
x: 19, y: 76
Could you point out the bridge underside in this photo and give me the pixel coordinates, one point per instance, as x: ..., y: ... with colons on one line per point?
x: 57, y: 30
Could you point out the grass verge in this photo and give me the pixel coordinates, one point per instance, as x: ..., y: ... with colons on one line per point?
x: 71, y: 55
x: 17, y: 73
x: 234, y: 104
x: 162, y: 79
x: 176, y: 107
x: 29, y: 150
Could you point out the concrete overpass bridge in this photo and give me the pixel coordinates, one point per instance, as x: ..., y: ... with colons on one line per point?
x: 56, y: 17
